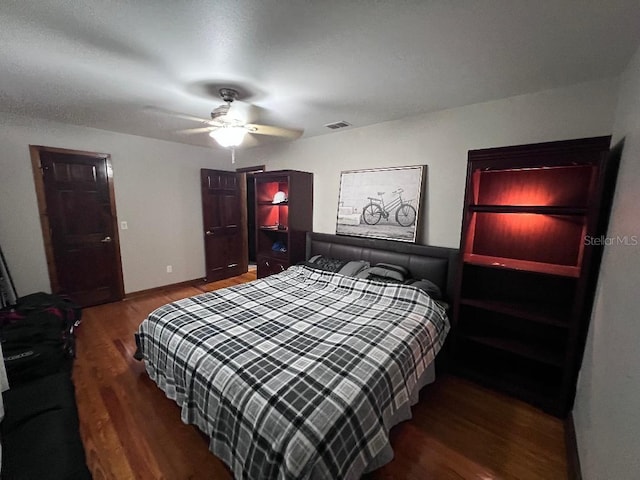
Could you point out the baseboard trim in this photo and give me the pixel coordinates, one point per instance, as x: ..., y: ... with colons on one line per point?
x: 187, y: 283
x: 573, y: 459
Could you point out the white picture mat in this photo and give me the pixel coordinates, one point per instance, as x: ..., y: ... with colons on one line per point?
x: 356, y: 186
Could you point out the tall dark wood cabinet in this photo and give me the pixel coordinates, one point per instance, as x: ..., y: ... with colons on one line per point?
x: 284, y: 213
x: 529, y: 262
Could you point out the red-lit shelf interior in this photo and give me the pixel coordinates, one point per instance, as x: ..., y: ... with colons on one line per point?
x: 531, y: 219
x: 281, y: 227
x: 267, y: 190
x: 273, y: 216
x: 270, y: 215
x: 565, y: 186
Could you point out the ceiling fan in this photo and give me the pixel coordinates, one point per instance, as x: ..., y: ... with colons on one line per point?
x: 229, y: 129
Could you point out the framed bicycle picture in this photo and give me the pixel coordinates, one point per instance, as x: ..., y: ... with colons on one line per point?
x: 381, y: 203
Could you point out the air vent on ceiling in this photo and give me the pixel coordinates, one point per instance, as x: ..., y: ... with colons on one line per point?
x: 336, y: 125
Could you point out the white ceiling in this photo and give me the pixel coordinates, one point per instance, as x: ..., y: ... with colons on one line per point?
x: 301, y: 63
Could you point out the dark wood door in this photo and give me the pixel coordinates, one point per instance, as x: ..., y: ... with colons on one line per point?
x: 224, y: 212
x: 82, y: 227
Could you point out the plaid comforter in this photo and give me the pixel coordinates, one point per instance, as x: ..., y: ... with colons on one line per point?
x: 297, y: 375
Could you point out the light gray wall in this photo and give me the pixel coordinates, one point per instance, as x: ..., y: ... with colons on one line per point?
x: 606, y: 410
x: 441, y: 141
x: 157, y: 187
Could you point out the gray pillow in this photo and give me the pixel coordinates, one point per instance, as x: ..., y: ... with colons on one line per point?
x: 328, y: 264
x: 352, y: 268
x: 383, y: 271
x: 384, y: 279
x: 428, y: 286
x: 398, y: 268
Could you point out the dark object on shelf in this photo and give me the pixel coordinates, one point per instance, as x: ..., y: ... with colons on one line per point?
x: 278, y: 246
x: 281, y: 227
x: 527, y: 273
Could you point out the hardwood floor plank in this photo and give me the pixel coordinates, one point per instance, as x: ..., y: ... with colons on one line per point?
x: 131, y: 430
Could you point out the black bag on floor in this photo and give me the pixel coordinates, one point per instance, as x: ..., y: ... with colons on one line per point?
x: 38, y: 336
x: 68, y: 313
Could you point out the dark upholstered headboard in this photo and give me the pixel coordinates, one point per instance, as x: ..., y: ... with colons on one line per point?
x: 437, y: 264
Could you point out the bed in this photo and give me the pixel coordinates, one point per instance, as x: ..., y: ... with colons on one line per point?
x: 302, y: 374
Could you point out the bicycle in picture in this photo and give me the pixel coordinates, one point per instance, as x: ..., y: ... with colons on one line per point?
x: 376, y: 210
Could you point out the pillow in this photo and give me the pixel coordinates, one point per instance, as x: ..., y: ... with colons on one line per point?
x: 327, y: 264
x: 398, y: 268
x: 428, y: 286
x: 386, y: 270
x: 378, y: 274
x: 309, y: 264
x: 343, y: 267
x: 378, y: 278
x: 352, y: 268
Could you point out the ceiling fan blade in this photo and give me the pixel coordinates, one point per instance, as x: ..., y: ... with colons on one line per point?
x: 287, y: 133
x: 191, y: 131
x: 183, y: 116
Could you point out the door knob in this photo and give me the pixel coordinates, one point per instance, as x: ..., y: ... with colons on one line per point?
x: 208, y: 232
x: 106, y: 240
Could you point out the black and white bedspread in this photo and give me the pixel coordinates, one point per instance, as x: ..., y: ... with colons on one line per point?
x: 298, y: 375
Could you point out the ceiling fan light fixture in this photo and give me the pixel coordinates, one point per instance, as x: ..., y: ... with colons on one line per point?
x: 228, y: 136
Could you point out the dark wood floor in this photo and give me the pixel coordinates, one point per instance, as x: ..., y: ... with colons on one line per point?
x: 131, y: 430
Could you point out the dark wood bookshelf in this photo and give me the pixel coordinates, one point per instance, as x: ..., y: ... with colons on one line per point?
x: 526, y: 274
x: 525, y: 349
x: 538, y: 391
x: 282, y: 224
x: 536, y: 312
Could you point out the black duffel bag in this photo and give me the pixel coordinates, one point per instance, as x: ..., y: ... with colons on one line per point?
x: 34, y: 347
x: 37, y: 335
